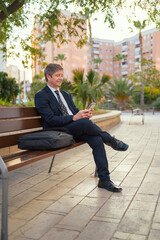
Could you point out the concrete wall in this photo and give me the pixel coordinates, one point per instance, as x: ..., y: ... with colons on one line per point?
x: 108, y: 120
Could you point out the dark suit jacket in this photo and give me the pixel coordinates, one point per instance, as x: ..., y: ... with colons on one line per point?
x: 50, y: 110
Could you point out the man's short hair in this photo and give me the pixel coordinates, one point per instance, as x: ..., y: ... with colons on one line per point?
x: 52, y: 68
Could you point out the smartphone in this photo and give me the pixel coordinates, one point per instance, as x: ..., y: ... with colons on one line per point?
x: 91, y: 106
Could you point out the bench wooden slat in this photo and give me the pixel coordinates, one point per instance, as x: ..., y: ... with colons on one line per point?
x: 19, y: 124
x: 11, y: 140
x: 18, y: 160
x: 17, y: 112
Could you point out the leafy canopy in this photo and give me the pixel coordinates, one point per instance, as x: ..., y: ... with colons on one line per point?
x: 17, y: 15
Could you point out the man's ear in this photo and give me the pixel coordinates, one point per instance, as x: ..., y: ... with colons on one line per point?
x: 48, y: 77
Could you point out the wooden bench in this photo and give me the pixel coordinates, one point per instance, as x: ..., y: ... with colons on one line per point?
x: 18, y: 121
x: 14, y: 122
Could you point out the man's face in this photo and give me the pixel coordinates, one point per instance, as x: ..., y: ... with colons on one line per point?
x: 56, y: 79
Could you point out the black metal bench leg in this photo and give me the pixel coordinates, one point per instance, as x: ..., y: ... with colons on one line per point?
x: 50, y: 168
x: 4, y: 217
x: 95, y: 173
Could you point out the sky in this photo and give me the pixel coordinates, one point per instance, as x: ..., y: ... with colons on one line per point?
x: 122, y: 29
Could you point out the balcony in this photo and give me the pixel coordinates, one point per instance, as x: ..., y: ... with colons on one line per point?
x: 125, y: 52
x: 137, y: 45
x: 137, y: 60
x: 96, y: 51
x: 95, y: 45
x: 124, y: 44
x: 137, y: 56
x: 124, y: 63
x: 124, y: 73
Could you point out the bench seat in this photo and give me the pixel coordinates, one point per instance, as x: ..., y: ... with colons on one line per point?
x: 17, y: 160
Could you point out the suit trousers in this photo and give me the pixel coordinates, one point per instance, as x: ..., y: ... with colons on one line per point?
x: 85, y: 130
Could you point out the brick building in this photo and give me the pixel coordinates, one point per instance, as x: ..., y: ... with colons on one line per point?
x: 130, y: 47
x: 105, y: 50
x: 75, y: 57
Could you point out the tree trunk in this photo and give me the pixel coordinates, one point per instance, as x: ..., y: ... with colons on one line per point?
x: 142, y: 84
x: 91, y: 44
x: 142, y: 94
x: 17, y: 4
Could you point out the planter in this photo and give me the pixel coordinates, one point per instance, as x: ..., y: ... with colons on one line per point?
x: 108, y: 120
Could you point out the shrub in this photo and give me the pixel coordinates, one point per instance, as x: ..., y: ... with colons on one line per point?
x: 4, y: 103
x: 150, y: 95
x: 156, y: 104
x: 8, y: 87
x: 36, y: 86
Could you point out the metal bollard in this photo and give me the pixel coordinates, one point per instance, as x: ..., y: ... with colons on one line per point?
x: 109, y: 104
x: 4, y: 217
x: 153, y: 110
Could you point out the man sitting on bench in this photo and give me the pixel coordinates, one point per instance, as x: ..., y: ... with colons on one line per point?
x: 58, y: 110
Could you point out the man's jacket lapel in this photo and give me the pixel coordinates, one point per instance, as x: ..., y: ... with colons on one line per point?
x: 52, y: 98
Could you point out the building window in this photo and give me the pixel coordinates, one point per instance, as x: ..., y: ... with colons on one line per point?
x: 148, y: 43
x: 107, y: 68
x: 111, y: 68
x: 106, y: 62
x: 107, y: 56
x: 144, y: 37
x: 106, y: 50
x: 106, y: 44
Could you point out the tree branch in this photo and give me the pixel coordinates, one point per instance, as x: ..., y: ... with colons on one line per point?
x: 17, y: 4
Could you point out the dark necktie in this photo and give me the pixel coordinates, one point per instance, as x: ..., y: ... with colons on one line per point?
x: 64, y: 109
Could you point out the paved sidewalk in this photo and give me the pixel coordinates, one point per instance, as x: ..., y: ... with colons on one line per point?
x: 67, y: 204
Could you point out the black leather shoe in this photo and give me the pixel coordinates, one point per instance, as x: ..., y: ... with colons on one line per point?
x: 117, y: 144
x: 109, y: 185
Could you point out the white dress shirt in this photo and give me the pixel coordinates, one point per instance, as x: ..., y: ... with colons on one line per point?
x: 62, y: 98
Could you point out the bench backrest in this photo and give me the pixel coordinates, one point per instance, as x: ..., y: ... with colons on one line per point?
x: 16, y: 121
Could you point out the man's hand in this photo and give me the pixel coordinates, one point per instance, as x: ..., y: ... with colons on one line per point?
x: 83, y: 114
